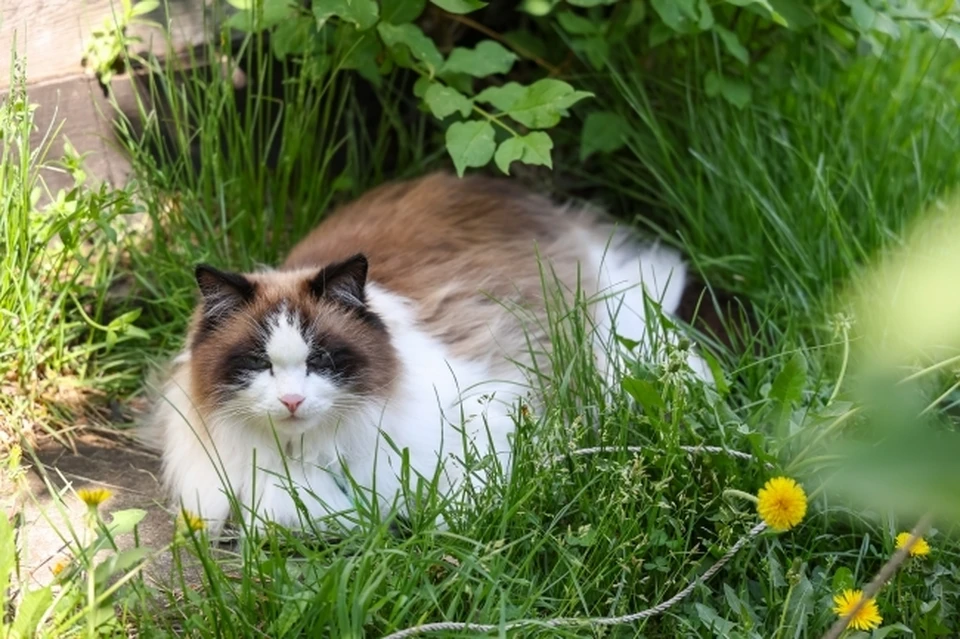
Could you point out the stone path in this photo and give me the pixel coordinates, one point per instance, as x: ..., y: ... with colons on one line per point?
x: 97, y: 461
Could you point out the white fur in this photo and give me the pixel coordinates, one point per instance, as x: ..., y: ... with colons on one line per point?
x: 440, y: 406
x: 627, y: 282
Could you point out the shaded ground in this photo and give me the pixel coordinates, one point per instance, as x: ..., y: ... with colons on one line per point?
x: 97, y: 461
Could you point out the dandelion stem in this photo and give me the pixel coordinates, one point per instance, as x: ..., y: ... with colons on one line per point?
x: 733, y: 492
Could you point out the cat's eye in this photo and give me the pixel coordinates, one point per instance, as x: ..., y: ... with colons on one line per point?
x: 320, y: 361
x: 252, y: 363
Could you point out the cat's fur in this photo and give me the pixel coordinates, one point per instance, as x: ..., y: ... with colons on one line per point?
x: 398, y: 321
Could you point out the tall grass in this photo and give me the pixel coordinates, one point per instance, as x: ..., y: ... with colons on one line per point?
x: 58, y: 258
x: 782, y: 202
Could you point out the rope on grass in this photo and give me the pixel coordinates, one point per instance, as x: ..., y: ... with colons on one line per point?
x: 693, y: 450
x: 568, y: 622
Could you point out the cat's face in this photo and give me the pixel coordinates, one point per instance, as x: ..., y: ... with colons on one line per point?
x: 288, y: 350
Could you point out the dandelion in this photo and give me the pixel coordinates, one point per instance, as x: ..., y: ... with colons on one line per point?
x: 189, y: 522
x: 781, y: 503
x: 920, y: 549
x: 93, y: 497
x: 59, y: 567
x: 867, y: 618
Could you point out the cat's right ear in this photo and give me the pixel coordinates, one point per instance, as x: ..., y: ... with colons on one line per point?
x: 222, y: 291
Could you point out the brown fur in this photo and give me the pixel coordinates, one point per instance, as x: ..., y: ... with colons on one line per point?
x: 459, y: 248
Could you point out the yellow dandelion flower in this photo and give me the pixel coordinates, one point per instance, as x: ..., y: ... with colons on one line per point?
x: 59, y: 567
x: 781, y: 503
x: 187, y: 521
x: 93, y: 497
x: 867, y: 618
x: 920, y: 549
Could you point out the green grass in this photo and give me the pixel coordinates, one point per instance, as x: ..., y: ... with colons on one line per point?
x: 782, y: 202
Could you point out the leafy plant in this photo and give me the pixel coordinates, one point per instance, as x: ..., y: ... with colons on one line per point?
x: 745, y: 39
x: 505, y: 123
x: 109, y: 45
x: 57, y: 259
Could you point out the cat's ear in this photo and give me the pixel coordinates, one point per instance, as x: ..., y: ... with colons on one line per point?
x: 222, y: 291
x: 344, y: 281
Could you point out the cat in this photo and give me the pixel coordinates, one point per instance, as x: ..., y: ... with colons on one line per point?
x: 395, y: 328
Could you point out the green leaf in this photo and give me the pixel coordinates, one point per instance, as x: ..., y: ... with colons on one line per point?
x: 362, y: 13
x: 680, y: 15
x: 294, y: 36
x: 533, y: 148
x: 487, y: 58
x: 413, y: 39
x: 30, y: 611
x: 886, y: 631
x: 732, y: 44
x: 545, y: 102
x: 736, y: 92
x: 421, y: 85
x: 643, y: 392
x: 539, y: 106
x: 502, y: 97
x: 459, y: 6
x: 602, y: 132
x: 538, y: 8
x: 950, y: 31
x: 401, y: 11
x: 863, y: 15
x: 443, y: 101
x: 716, y: 371
x: 118, y: 563
x: 842, y: 580
x: 715, y: 623
x: 706, y: 20
x: 363, y: 48
x: 470, y: 144
x: 253, y: 19
x: 123, y: 320
x: 787, y: 388
x: 868, y: 19
x: 136, y: 332
x: 124, y: 521
x: 144, y: 7
x: 795, y: 14
x: 576, y: 24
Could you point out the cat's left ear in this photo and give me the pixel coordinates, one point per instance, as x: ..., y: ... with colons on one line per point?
x: 344, y: 281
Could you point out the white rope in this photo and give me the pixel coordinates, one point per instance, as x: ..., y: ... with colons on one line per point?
x: 567, y: 622
x: 693, y: 450
x: 587, y: 621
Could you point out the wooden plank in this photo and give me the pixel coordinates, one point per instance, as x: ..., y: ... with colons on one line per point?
x: 52, y: 33
x: 75, y: 109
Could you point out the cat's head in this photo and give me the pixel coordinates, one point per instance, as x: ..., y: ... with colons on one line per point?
x: 288, y: 349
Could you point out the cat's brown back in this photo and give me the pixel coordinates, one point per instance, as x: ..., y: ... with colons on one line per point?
x: 457, y: 247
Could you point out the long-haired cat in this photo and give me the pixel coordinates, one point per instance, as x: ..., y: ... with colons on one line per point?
x: 395, y: 333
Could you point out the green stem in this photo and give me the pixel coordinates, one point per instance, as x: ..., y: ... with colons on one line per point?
x: 843, y: 367
x: 733, y: 492
x: 783, y: 615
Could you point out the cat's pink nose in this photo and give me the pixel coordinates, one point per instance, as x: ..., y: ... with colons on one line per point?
x: 292, y: 402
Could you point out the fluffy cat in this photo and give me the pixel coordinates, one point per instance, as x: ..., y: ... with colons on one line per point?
x: 395, y: 327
